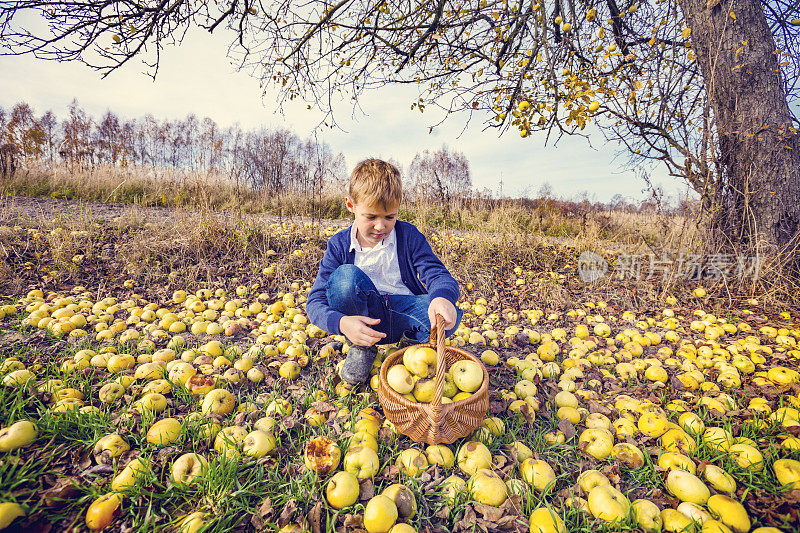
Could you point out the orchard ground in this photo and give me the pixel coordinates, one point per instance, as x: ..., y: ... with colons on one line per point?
x: 114, y: 319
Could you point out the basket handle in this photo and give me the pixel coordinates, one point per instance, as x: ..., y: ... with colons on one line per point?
x: 437, y: 339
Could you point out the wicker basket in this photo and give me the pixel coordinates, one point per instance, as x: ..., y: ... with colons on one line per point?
x: 435, y: 422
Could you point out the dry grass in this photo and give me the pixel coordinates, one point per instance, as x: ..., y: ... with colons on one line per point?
x: 174, y: 188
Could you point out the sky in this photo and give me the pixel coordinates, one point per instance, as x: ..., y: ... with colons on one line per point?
x: 197, y: 77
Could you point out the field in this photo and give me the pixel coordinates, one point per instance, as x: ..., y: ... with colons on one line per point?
x: 117, y: 323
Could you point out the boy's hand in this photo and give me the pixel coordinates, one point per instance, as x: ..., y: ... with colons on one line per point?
x: 444, y: 307
x: 356, y: 329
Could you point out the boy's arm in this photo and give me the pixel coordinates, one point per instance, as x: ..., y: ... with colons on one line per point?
x: 317, y: 308
x: 432, y: 272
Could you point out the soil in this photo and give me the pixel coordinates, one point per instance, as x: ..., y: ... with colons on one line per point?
x: 16, y: 209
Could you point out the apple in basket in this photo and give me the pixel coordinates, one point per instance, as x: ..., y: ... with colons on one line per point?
x: 467, y: 375
x: 420, y: 361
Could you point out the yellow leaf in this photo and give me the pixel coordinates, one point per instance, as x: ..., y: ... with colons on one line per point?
x: 733, y: 15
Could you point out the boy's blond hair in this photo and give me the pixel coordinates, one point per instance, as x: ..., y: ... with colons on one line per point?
x: 374, y: 182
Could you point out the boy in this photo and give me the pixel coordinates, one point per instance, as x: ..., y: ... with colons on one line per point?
x: 379, y: 281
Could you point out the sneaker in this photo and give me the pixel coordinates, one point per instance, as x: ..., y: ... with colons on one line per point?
x: 357, y: 365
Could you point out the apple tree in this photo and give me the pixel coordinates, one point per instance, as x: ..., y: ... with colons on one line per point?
x: 703, y: 87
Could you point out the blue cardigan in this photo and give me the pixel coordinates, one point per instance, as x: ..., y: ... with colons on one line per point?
x: 420, y: 270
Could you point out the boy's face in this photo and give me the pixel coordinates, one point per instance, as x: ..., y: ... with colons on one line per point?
x: 373, y: 222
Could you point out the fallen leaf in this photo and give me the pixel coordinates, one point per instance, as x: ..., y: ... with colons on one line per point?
x: 315, y: 518
x: 288, y: 513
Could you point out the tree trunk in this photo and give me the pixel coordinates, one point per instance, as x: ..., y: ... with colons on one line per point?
x: 758, y: 193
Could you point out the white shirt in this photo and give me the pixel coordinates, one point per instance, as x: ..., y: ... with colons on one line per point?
x: 380, y: 263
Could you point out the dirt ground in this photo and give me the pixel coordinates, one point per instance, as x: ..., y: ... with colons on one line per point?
x: 16, y: 209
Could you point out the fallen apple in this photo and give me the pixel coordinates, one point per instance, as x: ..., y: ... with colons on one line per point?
x: 322, y: 455
x: 342, y: 490
x: 380, y: 514
x: 18, y: 435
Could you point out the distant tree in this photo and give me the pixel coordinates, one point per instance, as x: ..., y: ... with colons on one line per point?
x: 108, y: 138
x: 440, y: 175
x: 49, y: 126
x: 77, y: 147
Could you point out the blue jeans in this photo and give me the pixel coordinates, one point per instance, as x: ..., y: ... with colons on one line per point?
x: 350, y: 291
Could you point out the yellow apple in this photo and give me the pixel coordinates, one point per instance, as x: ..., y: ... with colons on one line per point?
x: 687, y: 487
x: 199, y: 384
x: 787, y: 472
x: 521, y: 450
x: 193, y: 522
x: 403, y: 498
x: 362, y: 462
x: 647, y: 515
x: 524, y: 388
x: 652, y: 424
x: 598, y: 421
x: 747, y: 456
x: 678, y: 441
x: 322, y: 455
x: 487, y: 488
x: 424, y: 390
x: 164, y: 432
x: 133, y: 472
x: 103, y: 511
x: 673, y: 520
x: 589, y: 479
x: 473, y: 456
x: 400, y: 379
x: 363, y: 438
x: 718, y: 439
x: 624, y: 427
x: 289, y: 370
x: 628, y: 455
x: 596, y: 442
x: 568, y: 413
x: 229, y: 440
x: 112, y: 445
x: 671, y: 460
x: 420, y: 360
x: 467, y: 375
x: 17, y: 435
x: 259, y: 443
x: 719, y: 479
x: 439, y: 454
x: 154, y: 402
x: 608, y: 504
x: 694, y: 512
x: 452, y: 489
x: 538, y: 474
x: 546, y: 520
x: 380, y: 514
x: 111, y: 392
x: 187, y: 468
x: 342, y: 490
x: 9, y: 511
x: 566, y: 399
x: 219, y: 401
x: 402, y: 528
x: 412, y: 462
x: 730, y: 512
x: 490, y: 357
x: 148, y: 371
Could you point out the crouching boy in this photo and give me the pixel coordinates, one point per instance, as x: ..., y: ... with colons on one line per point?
x: 379, y: 281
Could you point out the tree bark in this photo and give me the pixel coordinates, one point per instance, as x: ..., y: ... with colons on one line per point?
x: 758, y: 191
